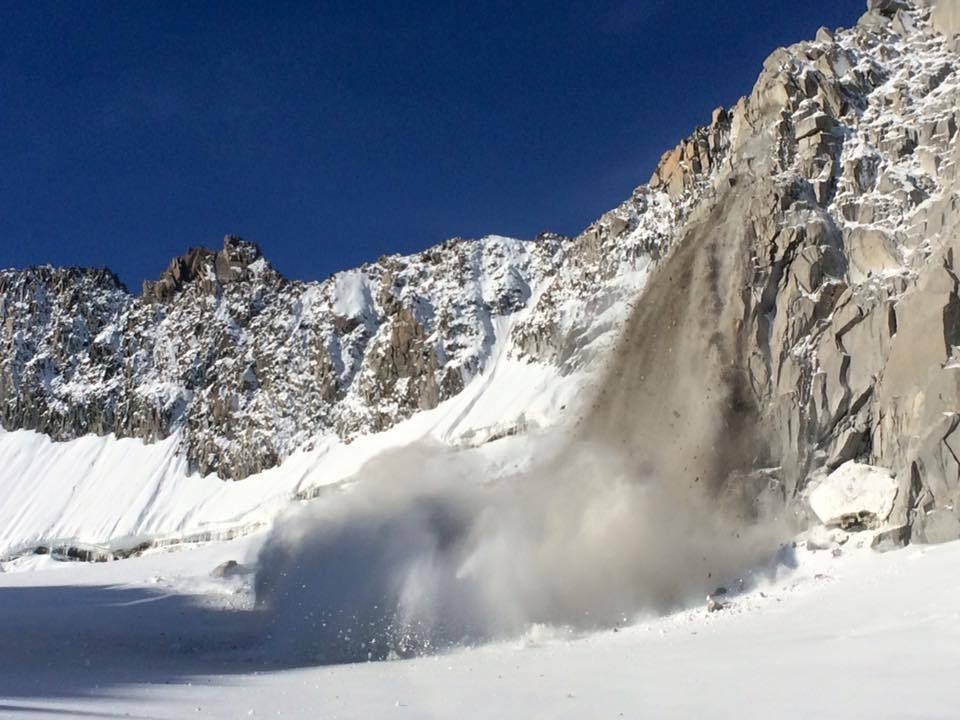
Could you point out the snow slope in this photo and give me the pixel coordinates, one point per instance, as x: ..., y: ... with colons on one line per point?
x: 114, y: 493
x: 862, y: 635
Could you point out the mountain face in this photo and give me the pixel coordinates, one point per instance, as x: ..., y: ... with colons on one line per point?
x: 247, y: 364
x: 792, y: 268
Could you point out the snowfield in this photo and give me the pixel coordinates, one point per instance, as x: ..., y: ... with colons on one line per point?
x: 862, y: 635
x: 112, y: 494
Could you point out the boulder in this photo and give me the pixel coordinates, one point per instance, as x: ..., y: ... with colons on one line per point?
x: 229, y: 569
x: 891, y: 539
x: 813, y: 124
x: 937, y: 526
x: 715, y: 604
x: 852, y: 493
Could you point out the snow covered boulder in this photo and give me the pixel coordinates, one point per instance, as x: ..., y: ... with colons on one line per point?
x: 854, y: 496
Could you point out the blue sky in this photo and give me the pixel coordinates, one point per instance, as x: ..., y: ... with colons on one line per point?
x: 334, y: 132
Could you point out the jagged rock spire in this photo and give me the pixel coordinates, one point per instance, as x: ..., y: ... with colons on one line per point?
x: 211, y: 269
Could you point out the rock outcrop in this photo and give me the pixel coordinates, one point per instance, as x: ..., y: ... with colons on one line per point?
x: 802, y: 306
x: 807, y: 311
x: 245, y: 364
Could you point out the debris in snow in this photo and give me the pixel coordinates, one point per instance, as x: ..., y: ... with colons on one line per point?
x: 229, y: 569
x: 821, y: 537
x: 715, y: 605
x: 855, y: 521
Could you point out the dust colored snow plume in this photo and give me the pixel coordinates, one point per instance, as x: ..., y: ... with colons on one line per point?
x: 420, y: 556
x: 641, y: 506
x: 650, y: 500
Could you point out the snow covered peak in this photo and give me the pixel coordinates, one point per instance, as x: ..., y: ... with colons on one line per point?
x: 239, y: 259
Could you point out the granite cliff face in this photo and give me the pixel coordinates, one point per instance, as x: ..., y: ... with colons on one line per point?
x: 807, y: 313
x: 785, y: 287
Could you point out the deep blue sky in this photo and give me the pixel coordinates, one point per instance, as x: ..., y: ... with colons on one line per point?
x: 334, y: 132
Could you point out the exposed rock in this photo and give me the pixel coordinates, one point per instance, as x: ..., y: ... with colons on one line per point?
x: 891, y: 539
x: 812, y: 124
x: 848, y: 445
x: 887, y: 8
x: 937, y: 526
x: 871, y: 252
x: 946, y: 17
x: 680, y: 168
x: 854, y: 521
x: 245, y: 364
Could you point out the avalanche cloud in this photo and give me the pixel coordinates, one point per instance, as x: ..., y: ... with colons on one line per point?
x: 422, y: 554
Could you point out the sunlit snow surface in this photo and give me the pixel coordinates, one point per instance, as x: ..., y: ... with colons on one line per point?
x: 861, y: 635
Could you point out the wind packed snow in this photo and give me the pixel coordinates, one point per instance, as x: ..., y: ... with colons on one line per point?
x: 115, y: 493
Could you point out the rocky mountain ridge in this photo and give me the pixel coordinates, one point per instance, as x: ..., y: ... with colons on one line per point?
x: 247, y: 364
x: 250, y: 366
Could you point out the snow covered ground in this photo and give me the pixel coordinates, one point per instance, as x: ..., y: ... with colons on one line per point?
x: 859, y: 635
x: 109, y: 493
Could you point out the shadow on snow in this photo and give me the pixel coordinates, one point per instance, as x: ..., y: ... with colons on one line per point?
x: 75, y: 641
